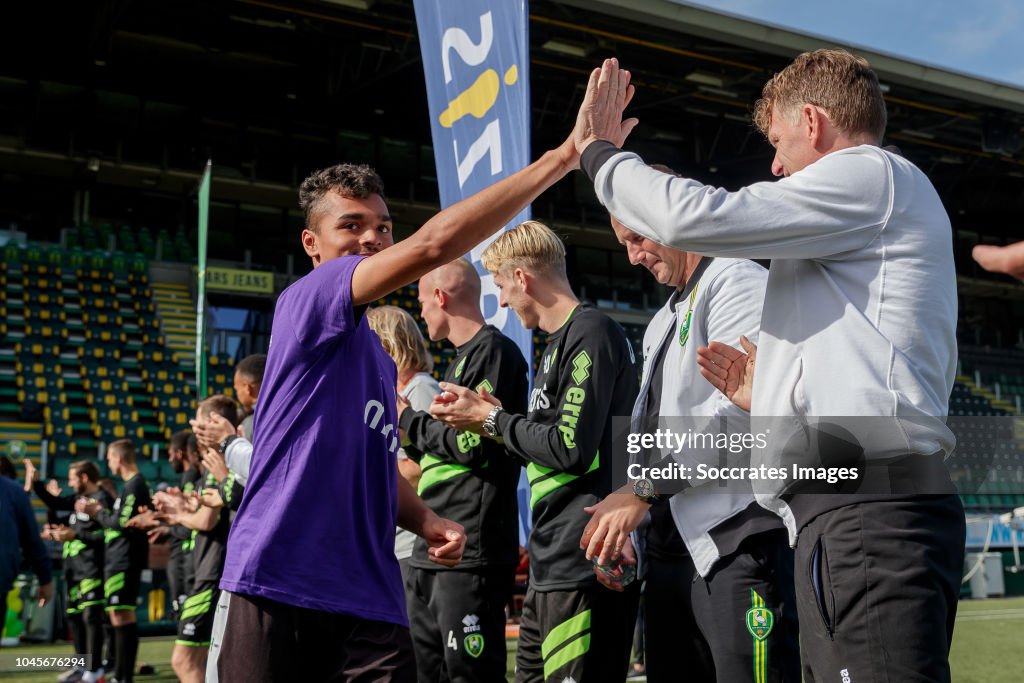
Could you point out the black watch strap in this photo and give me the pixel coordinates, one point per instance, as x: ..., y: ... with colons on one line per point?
x: 225, y: 442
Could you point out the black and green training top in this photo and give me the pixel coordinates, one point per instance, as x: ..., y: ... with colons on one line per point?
x: 82, y: 555
x: 587, y: 375
x: 181, y: 537
x: 210, y: 547
x: 468, y: 478
x: 125, y: 548
x: 231, y: 491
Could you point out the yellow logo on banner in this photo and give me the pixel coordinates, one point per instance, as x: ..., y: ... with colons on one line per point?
x: 236, y: 280
x: 478, y: 98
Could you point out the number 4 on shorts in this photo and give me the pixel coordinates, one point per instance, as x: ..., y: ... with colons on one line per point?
x: 451, y: 641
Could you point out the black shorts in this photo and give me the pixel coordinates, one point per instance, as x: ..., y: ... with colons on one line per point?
x: 267, y: 641
x: 121, y: 589
x: 457, y: 620
x: 84, y: 594
x: 176, y: 579
x: 583, y: 635
x: 195, y: 617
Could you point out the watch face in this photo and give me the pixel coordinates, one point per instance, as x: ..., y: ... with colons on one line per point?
x: 643, y: 488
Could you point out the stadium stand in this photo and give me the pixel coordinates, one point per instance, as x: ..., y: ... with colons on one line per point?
x: 93, y: 351
x: 84, y: 358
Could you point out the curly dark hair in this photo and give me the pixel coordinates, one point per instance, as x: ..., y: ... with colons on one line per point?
x: 356, y: 181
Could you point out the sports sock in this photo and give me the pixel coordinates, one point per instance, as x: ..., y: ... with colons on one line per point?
x: 77, y: 626
x: 127, y: 638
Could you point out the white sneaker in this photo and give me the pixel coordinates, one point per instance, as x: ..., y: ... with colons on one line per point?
x: 93, y: 676
x: 71, y: 675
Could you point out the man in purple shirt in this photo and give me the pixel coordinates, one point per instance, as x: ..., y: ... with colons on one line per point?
x: 316, y: 592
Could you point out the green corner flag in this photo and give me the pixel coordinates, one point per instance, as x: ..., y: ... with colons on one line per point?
x: 204, y: 227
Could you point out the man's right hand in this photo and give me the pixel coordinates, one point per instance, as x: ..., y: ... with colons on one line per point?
x: 211, y: 498
x: 87, y: 506
x: 628, y: 557
x: 730, y: 370
x: 1008, y: 259
x: 157, y: 535
x: 213, y: 460
x: 58, y: 532
x: 45, y: 594
x: 171, y: 502
x: 446, y: 540
x: 145, y: 520
x: 210, y: 432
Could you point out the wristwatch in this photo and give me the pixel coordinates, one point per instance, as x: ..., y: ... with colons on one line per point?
x: 491, y: 422
x: 644, y: 490
x: 225, y: 442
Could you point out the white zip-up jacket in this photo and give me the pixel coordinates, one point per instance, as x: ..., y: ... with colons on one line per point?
x: 727, y: 304
x: 860, y: 308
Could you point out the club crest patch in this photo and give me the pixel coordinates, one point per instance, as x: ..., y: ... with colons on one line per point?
x: 759, y: 622
x: 474, y: 644
x: 684, y: 329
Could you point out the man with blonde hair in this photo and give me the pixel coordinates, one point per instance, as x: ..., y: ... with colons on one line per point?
x: 457, y: 615
x: 572, y: 628
x: 859, y: 320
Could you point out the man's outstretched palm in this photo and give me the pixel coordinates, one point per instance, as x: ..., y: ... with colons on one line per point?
x: 730, y: 370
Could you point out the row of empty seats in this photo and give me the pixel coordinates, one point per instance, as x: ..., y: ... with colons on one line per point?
x: 82, y: 352
x: 138, y: 242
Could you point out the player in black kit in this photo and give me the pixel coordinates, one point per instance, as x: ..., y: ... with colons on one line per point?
x: 82, y: 553
x: 126, y: 553
x: 571, y: 627
x: 457, y: 615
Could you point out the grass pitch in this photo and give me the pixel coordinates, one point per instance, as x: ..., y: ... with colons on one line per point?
x: 986, y: 648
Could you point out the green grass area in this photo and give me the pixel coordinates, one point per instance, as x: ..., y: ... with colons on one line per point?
x: 153, y: 651
x: 987, y: 641
x: 986, y: 648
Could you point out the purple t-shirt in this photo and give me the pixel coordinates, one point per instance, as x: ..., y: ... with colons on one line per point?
x: 316, y: 526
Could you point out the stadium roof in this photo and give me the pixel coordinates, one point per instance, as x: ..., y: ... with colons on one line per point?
x: 274, y: 88
x: 766, y: 37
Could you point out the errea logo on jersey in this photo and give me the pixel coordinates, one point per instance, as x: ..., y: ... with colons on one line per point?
x: 471, y: 623
x: 581, y: 367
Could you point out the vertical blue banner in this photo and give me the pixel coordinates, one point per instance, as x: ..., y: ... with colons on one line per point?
x: 476, y: 62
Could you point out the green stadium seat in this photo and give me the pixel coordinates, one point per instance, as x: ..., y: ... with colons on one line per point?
x: 71, y: 238
x: 74, y: 258
x: 13, y: 254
